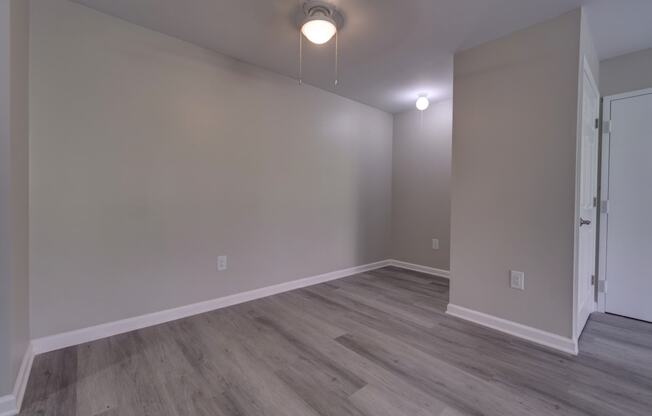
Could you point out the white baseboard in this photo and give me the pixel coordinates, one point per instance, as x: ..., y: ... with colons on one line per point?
x: 23, y: 375
x: 80, y: 336
x: 11, y: 403
x: 8, y: 405
x: 419, y: 268
x: 538, y: 336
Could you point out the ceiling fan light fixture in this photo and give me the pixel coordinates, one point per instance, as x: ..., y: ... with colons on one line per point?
x: 320, y: 21
x: 319, y: 30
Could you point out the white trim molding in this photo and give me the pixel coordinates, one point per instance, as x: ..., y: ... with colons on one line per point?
x: 10, y: 404
x: 529, y: 333
x: 80, y: 336
x: 419, y: 268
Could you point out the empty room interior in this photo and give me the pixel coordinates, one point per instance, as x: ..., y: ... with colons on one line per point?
x: 325, y: 208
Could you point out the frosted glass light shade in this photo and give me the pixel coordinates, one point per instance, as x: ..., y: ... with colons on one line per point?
x: 422, y: 103
x: 318, y: 31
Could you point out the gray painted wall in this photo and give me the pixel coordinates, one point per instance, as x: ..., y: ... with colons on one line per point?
x: 626, y: 73
x: 513, y: 175
x: 149, y: 157
x: 421, y: 185
x: 588, y: 50
x: 14, y: 318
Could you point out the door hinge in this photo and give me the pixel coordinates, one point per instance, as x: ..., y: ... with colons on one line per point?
x: 597, y: 123
x: 602, y: 286
x: 593, y: 280
x: 595, y: 201
x: 607, y: 126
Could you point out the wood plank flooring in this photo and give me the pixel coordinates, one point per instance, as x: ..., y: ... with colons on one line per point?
x: 374, y: 344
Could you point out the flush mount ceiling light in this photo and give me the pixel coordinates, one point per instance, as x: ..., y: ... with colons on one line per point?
x: 319, y: 22
x: 422, y: 103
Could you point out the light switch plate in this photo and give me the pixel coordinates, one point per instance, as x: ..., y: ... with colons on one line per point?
x: 435, y: 244
x: 517, y: 280
x: 221, y: 263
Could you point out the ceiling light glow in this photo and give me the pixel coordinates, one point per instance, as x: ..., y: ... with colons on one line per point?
x: 422, y: 103
x: 319, y: 30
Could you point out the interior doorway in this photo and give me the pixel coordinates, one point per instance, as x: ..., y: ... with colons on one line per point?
x: 626, y: 232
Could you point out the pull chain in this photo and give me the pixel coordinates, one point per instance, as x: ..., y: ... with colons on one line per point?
x: 300, y: 58
x: 300, y: 49
x: 336, y: 57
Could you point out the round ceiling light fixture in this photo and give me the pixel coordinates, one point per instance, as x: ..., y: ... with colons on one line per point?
x: 319, y: 23
x: 422, y: 103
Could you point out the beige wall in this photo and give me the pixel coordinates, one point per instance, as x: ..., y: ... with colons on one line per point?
x: 150, y: 157
x: 14, y: 318
x: 421, y: 185
x: 626, y: 73
x: 513, y: 175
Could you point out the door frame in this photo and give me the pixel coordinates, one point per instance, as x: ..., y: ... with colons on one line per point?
x: 603, y: 231
x: 585, y: 68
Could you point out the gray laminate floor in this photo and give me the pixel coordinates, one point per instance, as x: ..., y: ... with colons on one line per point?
x: 375, y: 344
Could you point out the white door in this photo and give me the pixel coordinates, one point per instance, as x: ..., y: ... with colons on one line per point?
x: 588, y: 200
x: 629, y: 227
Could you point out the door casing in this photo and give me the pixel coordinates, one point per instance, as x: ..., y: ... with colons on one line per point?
x: 580, y: 309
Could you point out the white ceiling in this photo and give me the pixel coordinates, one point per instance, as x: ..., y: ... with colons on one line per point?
x: 620, y: 26
x: 390, y: 50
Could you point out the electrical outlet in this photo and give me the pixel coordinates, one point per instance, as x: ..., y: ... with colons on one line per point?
x: 221, y: 263
x: 517, y: 280
x: 435, y: 244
